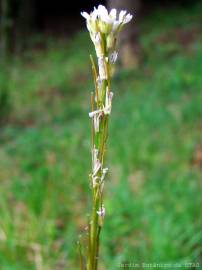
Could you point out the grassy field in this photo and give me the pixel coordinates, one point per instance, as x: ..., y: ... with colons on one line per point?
x: 153, y: 193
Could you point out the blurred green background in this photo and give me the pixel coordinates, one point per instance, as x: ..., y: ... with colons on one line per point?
x: 153, y: 192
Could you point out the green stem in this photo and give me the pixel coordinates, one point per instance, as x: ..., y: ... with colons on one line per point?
x: 97, y: 199
x: 80, y: 256
x: 97, y: 248
x: 99, y: 143
x: 95, y: 226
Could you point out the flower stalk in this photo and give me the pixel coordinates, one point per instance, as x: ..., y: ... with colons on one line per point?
x: 103, y: 27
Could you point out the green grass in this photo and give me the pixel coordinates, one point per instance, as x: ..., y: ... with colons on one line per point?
x: 153, y: 192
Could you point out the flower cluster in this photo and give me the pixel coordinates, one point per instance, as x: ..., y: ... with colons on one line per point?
x: 101, y: 23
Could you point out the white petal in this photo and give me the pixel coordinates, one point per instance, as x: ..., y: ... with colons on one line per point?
x: 102, y: 11
x: 94, y: 14
x: 85, y: 15
x: 121, y: 15
x: 113, y: 13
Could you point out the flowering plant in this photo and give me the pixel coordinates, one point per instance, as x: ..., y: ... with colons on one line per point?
x: 103, y: 27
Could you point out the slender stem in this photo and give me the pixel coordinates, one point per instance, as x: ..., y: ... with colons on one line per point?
x: 95, y: 76
x: 104, y: 36
x: 80, y: 256
x: 98, y: 247
x: 95, y: 223
x: 97, y: 200
x: 98, y: 141
x: 89, y: 247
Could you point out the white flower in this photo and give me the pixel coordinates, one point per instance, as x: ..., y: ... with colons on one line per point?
x: 105, y: 22
x: 124, y: 17
x: 85, y: 15
x: 113, y: 13
x: 108, y: 102
x: 122, y: 14
x: 91, y: 20
x: 127, y: 18
x: 103, y: 14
